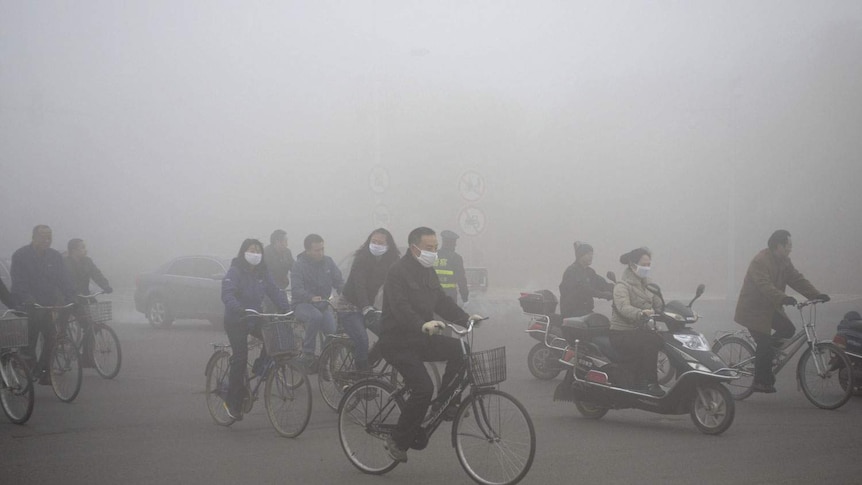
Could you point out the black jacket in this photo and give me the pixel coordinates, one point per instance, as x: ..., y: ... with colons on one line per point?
x: 279, y: 265
x: 367, y: 274
x: 411, y: 296
x: 40, y: 278
x: 579, y: 286
x: 81, y: 272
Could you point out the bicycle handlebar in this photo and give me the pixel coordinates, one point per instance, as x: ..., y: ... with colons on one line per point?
x: 16, y: 313
x: 470, y: 324
x: 93, y: 295
x: 804, y: 304
x: 249, y: 312
x: 68, y: 305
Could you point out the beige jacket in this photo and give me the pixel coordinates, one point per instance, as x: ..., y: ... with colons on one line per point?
x: 630, y: 298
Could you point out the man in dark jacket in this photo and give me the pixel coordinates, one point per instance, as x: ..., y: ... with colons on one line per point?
x: 39, y: 276
x: 81, y: 269
x: 581, y: 284
x: 760, y: 304
x: 278, y: 258
x: 313, y: 278
x: 411, y: 336
x: 450, y: 268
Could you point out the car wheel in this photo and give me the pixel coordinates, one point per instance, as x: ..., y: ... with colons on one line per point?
x: 158, y: 312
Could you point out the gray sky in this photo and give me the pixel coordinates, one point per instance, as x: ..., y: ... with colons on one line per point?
x: 159, y: 128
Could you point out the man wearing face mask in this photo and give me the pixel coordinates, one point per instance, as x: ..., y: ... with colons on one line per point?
x: 632, y: 304
x: 760, y: 304
x: 244, y: 286
x: 412, y: 295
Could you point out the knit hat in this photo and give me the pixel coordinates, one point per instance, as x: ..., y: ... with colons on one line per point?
x: 582, y: 248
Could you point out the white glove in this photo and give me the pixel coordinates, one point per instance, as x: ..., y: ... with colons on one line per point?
x: 434, y: 327
x: 366, y: 310
x: 476, y: 317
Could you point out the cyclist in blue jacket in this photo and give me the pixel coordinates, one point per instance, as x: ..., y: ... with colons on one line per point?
x: 244, y: 287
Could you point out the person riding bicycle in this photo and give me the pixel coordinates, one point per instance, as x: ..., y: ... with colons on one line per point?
x: 581, y: 284
x: 370, y: 264
x: 760, y: 304
x: 244, y: 287
x: 81, y: 269
x: 412, y: 295
x: 39, y: 277
x: 633, y: 302
x: 313, y: 277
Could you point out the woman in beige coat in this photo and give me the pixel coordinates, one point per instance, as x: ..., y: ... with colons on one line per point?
x: 633, y: 303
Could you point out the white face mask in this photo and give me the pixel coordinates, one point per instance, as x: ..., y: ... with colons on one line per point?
x: 642, y: 271
x: 253, y: 258
x: 426, y: 258
x: 378, y: 249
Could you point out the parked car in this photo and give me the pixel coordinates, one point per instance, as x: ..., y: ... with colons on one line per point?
x: 186, y: 287
x: 7, y: 279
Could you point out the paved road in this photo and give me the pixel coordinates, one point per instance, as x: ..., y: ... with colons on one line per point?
x: 150, y: 425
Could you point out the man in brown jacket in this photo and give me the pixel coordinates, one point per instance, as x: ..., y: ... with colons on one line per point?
x: 760, y: 304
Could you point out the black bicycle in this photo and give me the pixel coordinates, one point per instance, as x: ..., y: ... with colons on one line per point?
x: 492, y: 433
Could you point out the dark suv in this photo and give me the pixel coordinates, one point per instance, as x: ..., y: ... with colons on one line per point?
x: 186, y: 287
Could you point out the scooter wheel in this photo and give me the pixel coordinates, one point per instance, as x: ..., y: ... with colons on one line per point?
x: 542, y: 362
x: 712, y: 408
x: 590, y: 410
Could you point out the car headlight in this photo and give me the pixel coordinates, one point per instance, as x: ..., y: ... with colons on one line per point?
x: 699, y: 366
x: 692, y: 342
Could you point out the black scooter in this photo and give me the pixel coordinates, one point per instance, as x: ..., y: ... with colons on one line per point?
x: 598, y: 377
x: 849, y: 339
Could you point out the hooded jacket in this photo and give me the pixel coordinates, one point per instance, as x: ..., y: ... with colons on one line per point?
x: 244, y: 286
x: 311, y: 278
x: 762, y: 292
x: 630, y: 298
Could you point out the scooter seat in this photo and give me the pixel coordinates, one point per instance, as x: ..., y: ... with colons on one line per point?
x: 853, y: 325
x: 603, y: 342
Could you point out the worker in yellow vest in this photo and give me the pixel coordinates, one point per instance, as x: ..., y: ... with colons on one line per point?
x: 450, y: 268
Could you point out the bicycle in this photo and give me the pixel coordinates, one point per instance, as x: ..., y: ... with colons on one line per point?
x: 65, y: 371
x: 17, y: 393
x: 492, y: 433
x: 817, y: 373
x: 287, y: 393
x: 100, y: 339
x: 337, y: 369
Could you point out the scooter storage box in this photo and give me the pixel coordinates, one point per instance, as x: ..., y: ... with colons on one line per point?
x: 542, y: 302
x: 586, y: 327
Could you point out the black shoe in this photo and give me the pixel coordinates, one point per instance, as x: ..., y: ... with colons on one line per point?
x: 654, y: 390
x: 45, y: 378
x: 395, y: 452
x: 233, y: 414
x: 764, y: 388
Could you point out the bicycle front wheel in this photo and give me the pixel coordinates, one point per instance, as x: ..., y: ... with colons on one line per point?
x: 66, y: 372
x: 738, y: 355
x: 494, y: 438
x: 367, y: 414
x: 288, y: 399
x: 819, y: 374
x: 336, y: 363
x: 16, y: 391
x: 217, y: 385
x: 107, y: 355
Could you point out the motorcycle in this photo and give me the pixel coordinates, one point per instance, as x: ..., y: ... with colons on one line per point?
x: 849, y: 339
x: 544, y: 325
x: 599, y: 379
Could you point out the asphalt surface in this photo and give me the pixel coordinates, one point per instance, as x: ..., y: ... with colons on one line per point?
x: 151, y: 425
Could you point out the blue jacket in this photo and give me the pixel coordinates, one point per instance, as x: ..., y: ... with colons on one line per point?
x: 244, y: 287
x: 41, y: 278
x: 314, y: 278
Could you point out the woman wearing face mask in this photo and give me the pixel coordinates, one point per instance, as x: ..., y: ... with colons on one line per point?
x: 632, y: 304
x: 371, y: 262
x: 244, y: 286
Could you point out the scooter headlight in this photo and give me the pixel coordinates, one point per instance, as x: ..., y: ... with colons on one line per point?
x: 699, y: 366
x: 692, y: 342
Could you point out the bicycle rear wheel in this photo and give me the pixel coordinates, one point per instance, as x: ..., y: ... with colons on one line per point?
x: 738, y: 355
x: 336, y: 362
x: 107, y: 355
x: 16, y: 391
x: 66, y: 372
x: 288, y: 399
x: 217, y: 371
x: 494, y: 438
x: 367, y: 414
x: 824, y: 389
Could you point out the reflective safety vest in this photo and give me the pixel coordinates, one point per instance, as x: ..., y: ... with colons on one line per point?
x: 444, y: 274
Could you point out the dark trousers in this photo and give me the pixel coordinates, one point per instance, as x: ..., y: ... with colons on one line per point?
x: 237, y: 334
x: 39, y: 321
x: 765, y: 351
x: 642, y: 346
x: 409, y: 361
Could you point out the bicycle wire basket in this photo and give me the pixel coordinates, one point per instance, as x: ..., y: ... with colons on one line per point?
x: 99, y: 312
x: 282, y: 337
x: 13, y: 332
x: 489, y: 366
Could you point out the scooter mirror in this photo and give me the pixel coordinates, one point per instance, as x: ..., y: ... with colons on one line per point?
x: 612, y: 276
x: 700, y: 289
